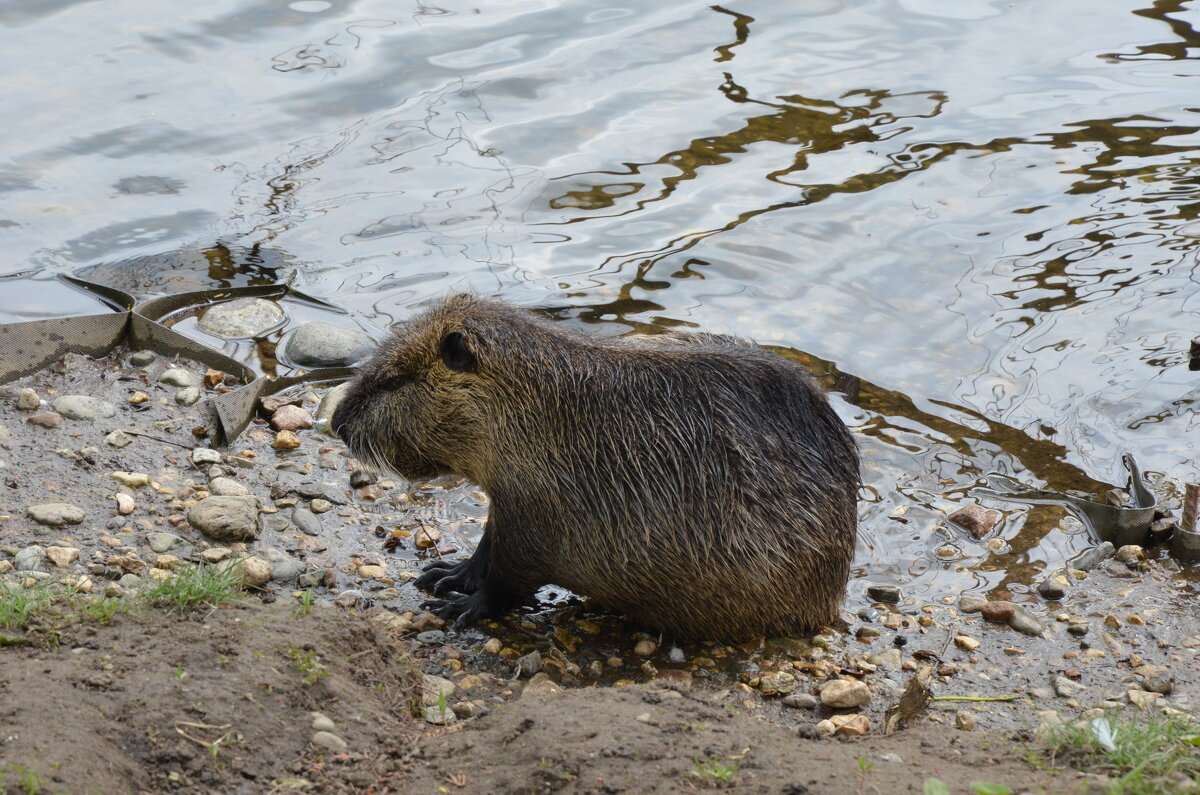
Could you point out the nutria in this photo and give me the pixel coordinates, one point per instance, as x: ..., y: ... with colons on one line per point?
x: 697, y: 483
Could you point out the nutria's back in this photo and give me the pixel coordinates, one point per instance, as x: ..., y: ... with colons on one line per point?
x: 702, y: 486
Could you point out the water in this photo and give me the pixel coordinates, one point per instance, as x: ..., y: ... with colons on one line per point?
x: 980, y: 218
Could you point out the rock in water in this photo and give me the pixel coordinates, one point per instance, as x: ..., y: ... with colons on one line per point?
x: 241, y: 318
x: 318, y: 344
x: 83, y: 407
x: 233, y: 518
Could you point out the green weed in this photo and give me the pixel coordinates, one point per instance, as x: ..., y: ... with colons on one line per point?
x: 307, y: 664
x: 713, y: 769
x: 197, y: 585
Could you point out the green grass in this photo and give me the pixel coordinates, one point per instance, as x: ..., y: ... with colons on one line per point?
x: 713, y: 769
x: 18, y: 605
x: 1143, y: 753
x: 307, y: 664
x: 24, y: 780
x: 305, y: 605
x: 197, y: 585
x: 100, y: 609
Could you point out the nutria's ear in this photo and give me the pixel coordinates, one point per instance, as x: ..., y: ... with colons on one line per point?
x: 456, y: 354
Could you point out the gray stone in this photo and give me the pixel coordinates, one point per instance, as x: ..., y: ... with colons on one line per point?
x: 29, y: 559
x: 1025, y: 622
x: 322, y: 723
x: 800, y: 701
x: 969, y: 603
x: 5, y: 434
x: 845, y: 693
x: 1065, y: 688
x: 306, y: 520
x: 884, y: 593
x: 55, y: 514
x: 188, y: 397
x: 431, y: 637
x: 1051, y: 590
x: 226, y: 518
x: 130, y: 582
x: 318, y: 344
x: 241, y: 318
x: 227, y: 487
x: 202, y: 456
x: 1093, y: 557
x: 142, y: 358
x: 27, y: 400
x: 329, y: 741
x: 163, y: 542
x: 118, y: 439
x: 438, y: 716
x: 176, y: 376
x: 284, y: 567
x: 83, y: 407
x: 326, y: 491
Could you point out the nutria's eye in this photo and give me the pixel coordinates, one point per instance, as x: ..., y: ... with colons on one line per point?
x: 456, y: 354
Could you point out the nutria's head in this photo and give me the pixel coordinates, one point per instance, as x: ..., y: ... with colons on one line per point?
x: 416, y: 406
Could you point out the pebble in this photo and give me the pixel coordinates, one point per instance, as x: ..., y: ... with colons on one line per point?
x: 1142, y: 699
x: 321, y: 723
x: 371, y: 572
x: 1130, y: 554
x: 189, y: 396
x: 426, y: 538
x: 285, y: 568
x: 162, y: 542
x: 285, y: 440
x: 320, y: 506
x: 130, y: 582
x: 890, y: 657
x: 1025, y: 622
x: 241, y: 318
x: 1094, y: 557
x: 5, y: 434
x: 800, y: 701
x: 306, y: 520
x: 27, y: 400
x: 966, y: 642
x: 493, y: 646
x: 434, y: 688
x: 329, y: 741
x: 1051, y: 590
x: 964, y: 720
x: 125, y: 504
x: 976, y: 520
x: 888, y: 594
x: 541, y: 684
x: 131, y: 479
x: 968, y: 603
x: 318, y: 344
x: 1065, y: 688
x: 777, y: 683
x: 254, y: 572
x: 175, y: 376
x: 203, y: 456
x: 845, y: 693
x: 29, y: 559
x: 142, y: 358
x: 431, y: 637
x: 83, y: 407
x: 291, y: 418
x: 46, y: 419
x: 644, y: 647
x: 226, y: 518
x: 850, y: 725
x: 166, y: 562
x: 215, y: 554
x: 55, y: 514
x: 347, y: 599
x: 118, y: 439
x: 997, y: 611
x: 438, y: 716
x: 227, y: 487
x: 62, y: 556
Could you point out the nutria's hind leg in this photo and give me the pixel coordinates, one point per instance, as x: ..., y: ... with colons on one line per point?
x: 465, y: 576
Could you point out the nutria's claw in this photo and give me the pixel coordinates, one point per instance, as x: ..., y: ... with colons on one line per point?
x: 463, y: 609
x: 442, y: 577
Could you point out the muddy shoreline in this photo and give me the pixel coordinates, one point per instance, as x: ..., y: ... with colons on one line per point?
x: 115, y: 494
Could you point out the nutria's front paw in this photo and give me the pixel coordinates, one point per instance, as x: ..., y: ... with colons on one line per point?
x: 442, y: 577
x: 463, y: 609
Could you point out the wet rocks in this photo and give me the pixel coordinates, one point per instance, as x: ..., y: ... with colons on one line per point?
x: 849, y: 725
x: 162, y: 542
x: 83, y: 407
x: 800, y: 701
x: 291, y: 418
x: 46, y: 419
x: 1130, y: 555
x: 966, y: 642
x: 204, y: 456
x: 318, y: 344
x: 55, y: 514
x: 118, y: 439
x: 284, y: 567
x: 62, y: 557
x: 142, y: 358
x: 1065, y: 688
x: 328, y: 405
x: 125, y: 504
x: 964, y: 721
x: 306, y: 521
x: 845, y: 693
x: 241, y: 318
x: 252, y: 572
x: 286, y: 440
x: 232, y: 518
x: 131, y: 479
x: 188, y: 396
x: 645, y: 647
x: 888, y: 594
x: 968, y: 603
x: 976, y: 520
x: 1051, y: 589
x: 997, y: 611
x: 1093, y: 557
x: 30, y: 558
x: 777, y: 683
x: 1025, y: 622
x: 179, y: 377
x: 27, y: 400
x: 227, y: 487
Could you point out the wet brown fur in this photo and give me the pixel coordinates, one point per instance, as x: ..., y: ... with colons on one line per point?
x: 697, y: 483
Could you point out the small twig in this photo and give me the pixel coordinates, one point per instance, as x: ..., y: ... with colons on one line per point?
x: 155, y: 438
